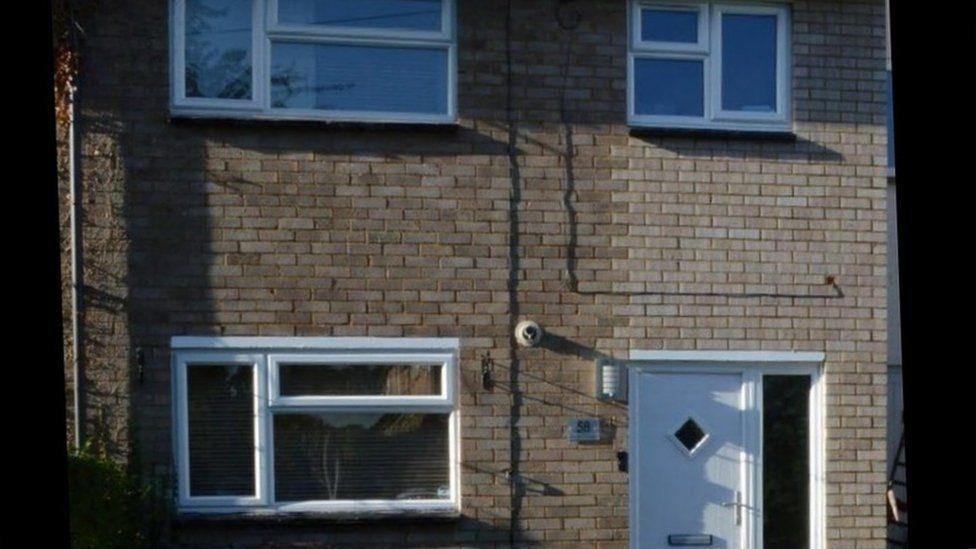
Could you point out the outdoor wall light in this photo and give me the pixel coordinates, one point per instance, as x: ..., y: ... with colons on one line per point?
x: 528, y: 333
x: 611, y: 380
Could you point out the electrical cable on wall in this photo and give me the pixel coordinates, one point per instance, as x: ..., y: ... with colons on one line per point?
x: 514, y: 266
x: 569, y: 18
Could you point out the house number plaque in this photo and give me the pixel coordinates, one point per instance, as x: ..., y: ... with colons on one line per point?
x: 584, y: 430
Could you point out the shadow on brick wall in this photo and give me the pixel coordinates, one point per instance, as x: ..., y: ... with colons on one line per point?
x: 790, y: 149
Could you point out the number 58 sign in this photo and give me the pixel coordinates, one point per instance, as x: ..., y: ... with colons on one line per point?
x: 584, y: 430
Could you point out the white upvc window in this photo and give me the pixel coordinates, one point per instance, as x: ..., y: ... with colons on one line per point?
x: 340, y: 426
x: 704, y: 65
x: 332, y: 60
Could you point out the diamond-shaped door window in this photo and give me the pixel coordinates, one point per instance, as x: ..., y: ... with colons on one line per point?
x: 689, y: 436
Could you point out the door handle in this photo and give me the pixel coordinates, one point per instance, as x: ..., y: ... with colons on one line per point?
x: 737, y: 505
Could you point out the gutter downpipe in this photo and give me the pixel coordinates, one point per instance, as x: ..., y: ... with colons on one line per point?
x: 76, y: 370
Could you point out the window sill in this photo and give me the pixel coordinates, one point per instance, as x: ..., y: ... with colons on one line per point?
x: 235, y: 120
x: 714, y: 133
x: 271, y: 517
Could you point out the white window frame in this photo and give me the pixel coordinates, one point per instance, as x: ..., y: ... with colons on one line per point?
x: 676, y: 5
x: 178, y: 99
x: 181, y: 362
x: 708, y: 50
x: 266, y: 29
x: 265, y: 355
x: 752, y: 365
x: 445, y: 400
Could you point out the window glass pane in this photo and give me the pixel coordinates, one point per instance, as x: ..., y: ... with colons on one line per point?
x: 690, y: 434
x: 891, y: 126
x: 669, y: 26
x: 359, y: 379
x: 749, y: 63
x: 349, y: 456
x: 380, y: 14
x: 668, y: 87
x: 786, y: 462
x: 359, y: 78
x: 220, y: 409
x: 218, y: 49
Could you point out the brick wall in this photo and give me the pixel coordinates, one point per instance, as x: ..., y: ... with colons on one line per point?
x: 550, y: 211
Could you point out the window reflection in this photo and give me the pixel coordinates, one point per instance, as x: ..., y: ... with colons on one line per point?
x: 749, y: 63
x: 218, y: 49
x: 669, y: 26
x: 668, y: 87
x: 358, y: 78
x: 380, y: 14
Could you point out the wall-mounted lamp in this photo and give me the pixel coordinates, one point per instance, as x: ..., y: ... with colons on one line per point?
x: 487, y: 368
x: 611, y: 380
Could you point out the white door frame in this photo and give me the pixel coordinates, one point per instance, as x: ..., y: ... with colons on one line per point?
x: 752, y: 365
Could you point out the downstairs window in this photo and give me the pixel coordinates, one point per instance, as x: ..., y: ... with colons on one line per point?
x: 321, y: 425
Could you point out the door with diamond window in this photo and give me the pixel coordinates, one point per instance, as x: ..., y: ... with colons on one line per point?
x: 690, y: 460
x: 726, y: 450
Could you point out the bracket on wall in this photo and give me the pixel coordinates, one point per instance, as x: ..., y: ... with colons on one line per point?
x: 487, y: 368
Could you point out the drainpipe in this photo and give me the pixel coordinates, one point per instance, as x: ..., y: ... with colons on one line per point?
x: 74, y: 205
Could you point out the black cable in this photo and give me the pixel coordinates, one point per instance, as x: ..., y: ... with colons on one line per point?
x: 515, y: 197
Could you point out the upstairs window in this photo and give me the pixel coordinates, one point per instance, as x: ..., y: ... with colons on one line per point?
x: 704, y: 65
x: 341, y: 60
x: 316, y: 425
x: 891, y: 128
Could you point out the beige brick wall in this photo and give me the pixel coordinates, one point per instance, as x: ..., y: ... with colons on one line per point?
x: 645, y: 243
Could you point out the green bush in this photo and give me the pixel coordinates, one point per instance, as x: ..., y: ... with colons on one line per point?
x: 106, y: 503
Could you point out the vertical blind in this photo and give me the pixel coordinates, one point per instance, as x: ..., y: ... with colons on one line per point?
x: 345, y: 77
x: 220, y: 409
x: 357, y: 456
x: 359, y: 379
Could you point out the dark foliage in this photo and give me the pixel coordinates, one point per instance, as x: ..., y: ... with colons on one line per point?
x: 106, y: 503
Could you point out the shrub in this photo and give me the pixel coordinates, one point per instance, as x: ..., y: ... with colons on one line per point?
x: 105, y: 503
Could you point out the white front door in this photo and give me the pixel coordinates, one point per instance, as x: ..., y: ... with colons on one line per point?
x: 726, y: 450
x: 689, y: 454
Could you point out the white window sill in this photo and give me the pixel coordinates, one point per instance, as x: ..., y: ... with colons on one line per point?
x: 273, y: 516
x: 182, y: 114
x: 316, y: 343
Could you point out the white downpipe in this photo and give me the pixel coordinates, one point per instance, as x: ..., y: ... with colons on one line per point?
x: 75, y: 265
